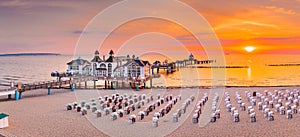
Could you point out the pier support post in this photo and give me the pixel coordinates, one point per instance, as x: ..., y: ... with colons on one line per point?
x: 20, y: 95
x: 85, y: 84
x: 49, y: 91
x: 112, y: 85
x: 123, y: 84
x: 94, y: 84
x: 105, y: 84
x: 9, y: 96
x: 16, y: 95
x: 72, y: 87
x: 167, y: 70
x: 150, y: 82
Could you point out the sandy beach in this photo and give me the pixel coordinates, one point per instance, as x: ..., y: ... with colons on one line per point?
x: 39, y: 114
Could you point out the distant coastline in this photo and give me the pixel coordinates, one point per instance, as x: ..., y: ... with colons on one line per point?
x: 30, y: 54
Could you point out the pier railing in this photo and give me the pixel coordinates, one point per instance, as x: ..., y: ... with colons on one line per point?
x: 110, y: 83
x: 6, y: 89
x: 171, y: 67
x: 74, y: 80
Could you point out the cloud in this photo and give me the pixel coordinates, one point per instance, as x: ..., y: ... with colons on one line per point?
x: 190, y: 37
x: 230, y: 42
x: 240, y: 23
x: 243, y: 28
x: 13, y: 3
x: 78, y: 32
x: 279, y: 44
x: 278, y: 39
x: 281, y: 10
x: 61, y: 22
x: 259, y: 24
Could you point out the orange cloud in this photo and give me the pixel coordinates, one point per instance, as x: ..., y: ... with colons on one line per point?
x: 281, y: 10
x: 270, y: 25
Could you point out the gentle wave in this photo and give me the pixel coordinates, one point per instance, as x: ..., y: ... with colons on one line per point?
x: 282, y: 65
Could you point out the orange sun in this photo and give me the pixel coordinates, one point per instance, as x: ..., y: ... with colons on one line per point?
x: 249, y: 48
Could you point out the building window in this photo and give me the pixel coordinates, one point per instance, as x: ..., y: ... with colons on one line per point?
x: 102, y: 69
x: 75, y: 67
x: 132, y: 72
x: 94, y: 68
x: 120, y: 72
x: 138, y: 71
x: 109, y: 70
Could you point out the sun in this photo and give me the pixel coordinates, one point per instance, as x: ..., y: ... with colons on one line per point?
x: 249, y: 48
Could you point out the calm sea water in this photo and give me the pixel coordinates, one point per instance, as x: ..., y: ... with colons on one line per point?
x: 30, y: 69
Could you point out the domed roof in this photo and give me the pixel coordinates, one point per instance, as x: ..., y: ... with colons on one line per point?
x: 96, y: 52
x: 191, y: 55
x: 111, y: 52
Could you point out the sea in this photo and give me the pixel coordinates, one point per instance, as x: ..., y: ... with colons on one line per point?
x: 238, y: 70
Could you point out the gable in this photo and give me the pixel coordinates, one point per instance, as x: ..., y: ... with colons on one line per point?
x: 78, y: 62
x: 131, y: 62
x: 96, y: 59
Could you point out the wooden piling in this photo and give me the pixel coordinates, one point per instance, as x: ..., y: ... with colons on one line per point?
x: 72, y: 87
x: 20, y: 95
x: 117, y: 84
x: 94, y: 84
x: 123, y: 84
x: 16, y: 95
x: 136, y: 86
x: 167, y: 70
x: 49, y: 91
x: 112, y: 85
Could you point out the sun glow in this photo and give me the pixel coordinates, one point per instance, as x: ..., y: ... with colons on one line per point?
x: 249, y: 49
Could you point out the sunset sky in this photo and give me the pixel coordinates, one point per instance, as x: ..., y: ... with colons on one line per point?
x: 271, y: 26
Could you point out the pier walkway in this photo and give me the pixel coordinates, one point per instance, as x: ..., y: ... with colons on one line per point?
x: 76, y: 82
x: 72, y: 82
x: 172, y: 67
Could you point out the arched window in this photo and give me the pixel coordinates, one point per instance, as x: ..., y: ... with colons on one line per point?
x: 102, y: 65
x: 103, y: 69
